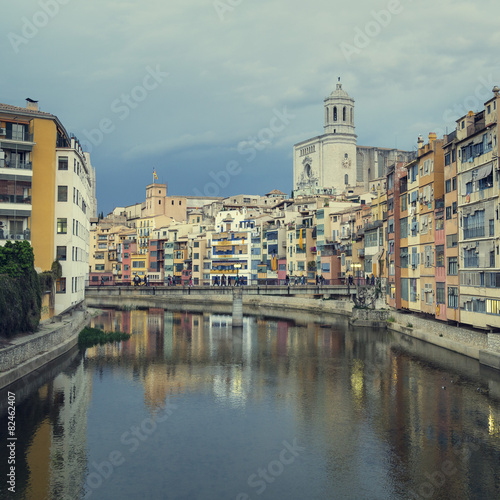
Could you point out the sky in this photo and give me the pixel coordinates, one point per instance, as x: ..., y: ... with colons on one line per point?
x: 213, y: 94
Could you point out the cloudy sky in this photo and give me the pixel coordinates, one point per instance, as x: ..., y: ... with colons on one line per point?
x: 214, y: 93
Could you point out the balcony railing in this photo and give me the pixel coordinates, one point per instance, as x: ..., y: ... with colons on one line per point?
x: 18, y: 136
x: 11, y: 198
x: 25, y: 235
x: 22, y: 165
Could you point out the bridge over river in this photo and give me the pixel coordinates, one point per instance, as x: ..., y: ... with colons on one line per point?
x: 312, y: 291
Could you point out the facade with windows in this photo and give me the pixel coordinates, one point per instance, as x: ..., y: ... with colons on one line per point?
x: 478, y: 215
x: 450, y: 221
x: 73, y: 209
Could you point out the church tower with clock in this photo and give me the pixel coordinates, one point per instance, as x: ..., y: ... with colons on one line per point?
x: 327, y: 163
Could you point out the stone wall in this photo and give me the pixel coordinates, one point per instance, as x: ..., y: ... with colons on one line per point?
x: 29, y: 353
x: 442, y: 330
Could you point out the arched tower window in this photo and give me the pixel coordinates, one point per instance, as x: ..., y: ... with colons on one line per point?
x: 346, y: 180
x: 327, y: 115
x: 335, y: 113
x: 352, y: 116
x: 344, y: 114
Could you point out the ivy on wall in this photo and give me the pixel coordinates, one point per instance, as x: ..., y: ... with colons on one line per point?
x: 20, y: 292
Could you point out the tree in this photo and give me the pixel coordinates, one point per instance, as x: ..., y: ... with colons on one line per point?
x: 20, y: 292
x: 311, y: 265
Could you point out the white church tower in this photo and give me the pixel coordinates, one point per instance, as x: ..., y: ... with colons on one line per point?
x: 327, y: 163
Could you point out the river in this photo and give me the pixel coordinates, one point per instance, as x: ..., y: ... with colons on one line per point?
x: 295, y: 408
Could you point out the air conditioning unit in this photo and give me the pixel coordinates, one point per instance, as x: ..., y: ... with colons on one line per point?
x: 2, y: 131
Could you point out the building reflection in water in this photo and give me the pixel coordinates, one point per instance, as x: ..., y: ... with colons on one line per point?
x: 51, y: 423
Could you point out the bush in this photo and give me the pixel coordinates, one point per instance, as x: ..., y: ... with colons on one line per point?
x: 391, y: 319
x: 90, y: 337
x: 20, y: 293
x: 409, y: 325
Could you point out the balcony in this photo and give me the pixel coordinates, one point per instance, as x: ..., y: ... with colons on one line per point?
x: 20, y: 165
x: 17, y: 136
x: 361, y: 252
x: 25, y: 235
x: 12, y: 198
x: 484, y: 194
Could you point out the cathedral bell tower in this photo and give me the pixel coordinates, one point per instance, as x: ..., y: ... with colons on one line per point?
x: 339, y: 112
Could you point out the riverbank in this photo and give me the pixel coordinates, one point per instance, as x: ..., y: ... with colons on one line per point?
x: 21, y: 357
x: 479, y: 345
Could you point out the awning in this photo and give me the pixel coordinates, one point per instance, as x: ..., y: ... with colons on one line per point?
x: 483, y: 171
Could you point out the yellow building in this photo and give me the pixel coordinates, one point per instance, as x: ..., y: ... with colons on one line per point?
x: 47, y: 195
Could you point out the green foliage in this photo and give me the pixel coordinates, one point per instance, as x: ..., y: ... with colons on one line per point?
x: 56, y: 269
x: 311, y: 265
x: 20, y: 293
x: 16, y: 259
x: 48, y: 278
x: 89, y: 337
x: 391, y: 319
x: 409, y: 325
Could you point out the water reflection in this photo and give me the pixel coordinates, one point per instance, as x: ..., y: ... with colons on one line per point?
x: 378, y: 415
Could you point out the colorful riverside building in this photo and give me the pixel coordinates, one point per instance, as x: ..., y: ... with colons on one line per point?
x: 448, y: 306
x: 430, y: 197
x: 478, y: 215
x: 231, y: 246
x: 47, y: 196
x: 396, y: 184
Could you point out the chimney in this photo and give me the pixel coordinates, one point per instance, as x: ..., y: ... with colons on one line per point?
x: 31, y: 104
x: 420, y: 142
x: 432, y: 137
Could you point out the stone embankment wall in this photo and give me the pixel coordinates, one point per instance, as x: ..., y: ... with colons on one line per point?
x: 54, y: 338
x: 252, y: 304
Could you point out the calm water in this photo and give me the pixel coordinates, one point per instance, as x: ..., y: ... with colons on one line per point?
x: 189, y: 409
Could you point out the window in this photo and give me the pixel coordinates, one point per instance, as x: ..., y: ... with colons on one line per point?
x: 61, y: 253
x: 62, y: 226
x: 346, y: 179
x: 196, y: 268
x: 403, y: 228
x: 62, y: 193
x: 126, y: 267
x: 403, y: 257
x: 453, y: 297
x: 344, y: 114
x: 447, y: 159
x: 61, y: 285
x: 335, y: 113
x: 471, y: 257
x: 454, y: 207
x: 492, y: 227
x: 473, y: 225
x: 454, y: 184
x: 452, y: 266
x: 448, y: 186
x: 440, y: 256
x: 451, y: 240
x: 63, y: 163
x: 404, y: 203
x: 448, y: 213
x: 196, y: 244
x: 440, y: 293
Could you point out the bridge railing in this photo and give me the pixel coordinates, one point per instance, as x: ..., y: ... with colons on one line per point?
x: 261, y: 282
